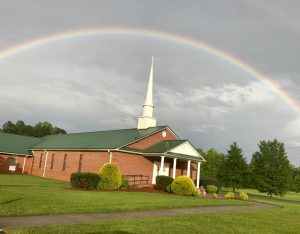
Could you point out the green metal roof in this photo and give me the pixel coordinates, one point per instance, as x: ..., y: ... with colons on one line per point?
x: 111, y: 139
x: 163, y: 146
x: 16, y: 144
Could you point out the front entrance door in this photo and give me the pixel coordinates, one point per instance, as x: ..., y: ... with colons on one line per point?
x: 156, y: 168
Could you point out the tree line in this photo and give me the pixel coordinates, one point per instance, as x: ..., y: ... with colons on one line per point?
x: 38, y: 130
x: 269, y: 170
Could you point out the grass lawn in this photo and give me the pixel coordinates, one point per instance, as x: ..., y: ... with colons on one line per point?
x: 283, y: 220
x: 291, y: 196
x: 30, y: 195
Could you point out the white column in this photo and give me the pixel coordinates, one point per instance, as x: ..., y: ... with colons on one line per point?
x: 189, y: 169
x: 45, y: 163
x: 198, y: 175
x: 110, y: 156
x: 24, y: 165
x: 162, y: 163
x: 174, y: 167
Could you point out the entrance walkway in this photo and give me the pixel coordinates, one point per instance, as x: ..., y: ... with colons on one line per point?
x: 43, y: 220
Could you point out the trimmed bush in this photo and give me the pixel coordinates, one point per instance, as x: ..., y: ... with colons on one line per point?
x: 183, y: 185
x: 243, y: 196
x: 212, y: 189
x: 125, y: 183
x: 84, y: 180
x: 229, y: 195
x: 214, y: 196
x: 110, y: 177
x: 169, y: 189
x: 196, y: 193
x: 162, y: 182
x: 206, y: 182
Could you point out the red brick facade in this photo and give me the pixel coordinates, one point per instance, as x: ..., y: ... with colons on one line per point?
x: 61, y: 164
x: 6, y: 161
x: 153, y: 139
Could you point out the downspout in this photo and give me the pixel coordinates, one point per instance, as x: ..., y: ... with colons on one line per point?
x: 32, y: 161
x: 110, y: 155
x: 24, y: 162
x: 45, y: 163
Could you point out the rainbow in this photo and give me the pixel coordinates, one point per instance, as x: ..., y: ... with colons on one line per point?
x: 180, y: 39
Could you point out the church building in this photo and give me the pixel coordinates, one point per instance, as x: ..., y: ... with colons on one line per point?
x: 142, y: 153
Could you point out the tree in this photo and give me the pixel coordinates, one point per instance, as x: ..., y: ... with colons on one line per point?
x: 235, y: 166
x: 271, y: 168
x: 295, y: 180
x: 213, y: 166
x: 39, y: 130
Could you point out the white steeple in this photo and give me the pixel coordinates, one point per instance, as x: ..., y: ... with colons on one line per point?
x: 147, y: 119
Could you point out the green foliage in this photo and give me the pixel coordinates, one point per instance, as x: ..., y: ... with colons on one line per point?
x: 235, y: 167
x: 110, y: 177
x: 169, y: 188
x: 295, y: 182
x: 243, y: 196
x: 271, y: 168
x: 84, y: 180
x: 183, y: 185
x: 229, y: 195
x: 212, y: 189
x: 125, y: 183
x: 196, y: 193
x: 205, y: 182
x: 214, y: 196
x: 162, y: 182
x: 214, y: 165
x: 39, y: 130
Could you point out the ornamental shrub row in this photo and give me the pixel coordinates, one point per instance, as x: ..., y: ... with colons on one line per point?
x: 184, y: 185
x: 162, y: 182
x: 84, y: 180
x: 110, y: 177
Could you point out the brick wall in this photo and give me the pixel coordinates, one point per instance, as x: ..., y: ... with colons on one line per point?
x: 151, y: 140
x: 5, y: 160
x: 130, y: 164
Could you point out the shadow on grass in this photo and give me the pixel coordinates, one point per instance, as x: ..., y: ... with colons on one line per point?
x: 11, y: 201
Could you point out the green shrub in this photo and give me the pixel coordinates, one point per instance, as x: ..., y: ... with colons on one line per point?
x: 169, y: 189
x: 125, y: 183
x: 229, y: 195
x: 162, y: 182
x: 84, y: 180
x: 183, y: 185
x: 243, y: 196
x: 214, y: 196
x: 205, y: 182
x: 212, y: 189
x: 110, y: 177
x: 196, y: 193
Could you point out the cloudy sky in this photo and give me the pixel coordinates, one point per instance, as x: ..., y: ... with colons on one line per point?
x: 99, y: 82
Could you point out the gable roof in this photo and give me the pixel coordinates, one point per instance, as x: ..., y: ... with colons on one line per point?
x: 16, y: 144
x: 170, y: 148
x: 111, y: 139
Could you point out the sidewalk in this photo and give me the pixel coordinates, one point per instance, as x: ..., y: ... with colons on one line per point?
x: 43, y: 220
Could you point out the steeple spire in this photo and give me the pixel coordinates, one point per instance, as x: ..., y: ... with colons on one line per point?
x: 147, y: 119
x: 149, y: 97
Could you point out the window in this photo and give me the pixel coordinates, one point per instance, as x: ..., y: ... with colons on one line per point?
x: 41, y: 159
x: 65, y: 162
x: 12, y: 164
x: 13, y: 161
x: 80, y: 162
x: 52, y: 162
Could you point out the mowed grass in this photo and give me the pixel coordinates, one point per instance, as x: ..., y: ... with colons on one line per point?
x: 290, y: 196
x: 280, y: 220
x: 30, y: 195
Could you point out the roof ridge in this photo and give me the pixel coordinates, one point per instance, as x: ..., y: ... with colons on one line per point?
x: 122, y: 129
